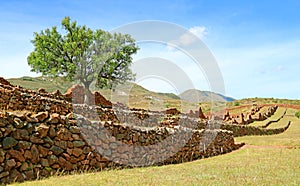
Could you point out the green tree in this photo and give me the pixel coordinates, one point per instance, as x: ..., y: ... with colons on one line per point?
x: 80, y: 53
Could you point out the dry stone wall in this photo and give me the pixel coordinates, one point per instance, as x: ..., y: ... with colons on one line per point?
x: 254, y: 115
x: 43, y: 143
x: 42, y: 133
x: 246, y: 130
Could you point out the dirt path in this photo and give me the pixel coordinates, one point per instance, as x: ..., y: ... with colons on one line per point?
x: 269, y: 147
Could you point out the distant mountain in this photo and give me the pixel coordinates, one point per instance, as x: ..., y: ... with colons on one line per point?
x: 194, y: 96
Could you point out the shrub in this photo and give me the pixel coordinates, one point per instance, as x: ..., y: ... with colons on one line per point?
x: 297, y: 114
x: 236, y: 104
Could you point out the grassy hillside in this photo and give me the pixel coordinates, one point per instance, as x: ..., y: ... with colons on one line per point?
x: 131, y: 94
x: 48, y: 84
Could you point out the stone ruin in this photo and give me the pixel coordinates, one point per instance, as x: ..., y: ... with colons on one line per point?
x: 42, y: 133
x: 253, y: 115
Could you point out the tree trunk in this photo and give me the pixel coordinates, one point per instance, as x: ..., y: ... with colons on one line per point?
x: 87, y: 92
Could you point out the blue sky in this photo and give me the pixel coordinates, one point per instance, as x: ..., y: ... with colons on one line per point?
x: 256, y: 43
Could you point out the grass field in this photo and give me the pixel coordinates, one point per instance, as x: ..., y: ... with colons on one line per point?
x: 265, y: 160
x: 291, y: 137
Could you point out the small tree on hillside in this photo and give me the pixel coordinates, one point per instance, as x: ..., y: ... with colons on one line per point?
x: 83, y: 54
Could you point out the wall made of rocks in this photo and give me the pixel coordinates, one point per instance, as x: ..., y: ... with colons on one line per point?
x: 42, y: 133
x: 43, y: 143
x: 246, y: 130
x: 16, y: 98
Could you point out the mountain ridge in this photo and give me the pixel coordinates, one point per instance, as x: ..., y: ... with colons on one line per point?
x: 195, y: 95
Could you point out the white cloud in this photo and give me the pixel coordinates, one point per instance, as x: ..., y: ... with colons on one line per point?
x: 199, y: 31
x: 191, y: 36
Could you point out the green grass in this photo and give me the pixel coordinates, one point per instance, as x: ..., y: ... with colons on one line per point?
x: 291, y: 137
x: 243, y: 167
x: 48, y: 84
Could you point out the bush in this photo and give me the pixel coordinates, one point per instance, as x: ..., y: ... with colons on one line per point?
x: 297, y: 114
x: 236, y: 104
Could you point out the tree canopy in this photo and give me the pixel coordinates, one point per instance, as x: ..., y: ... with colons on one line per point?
x: 79, y: 53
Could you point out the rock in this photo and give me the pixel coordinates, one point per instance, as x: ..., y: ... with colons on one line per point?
x: 75, y: 129
x: 4, y: 81
x: 45, y: 162
x: 76, y: 137
x: 16, y: 176
x: 42, y: 130
x: 172, y: 111
x: 27, y: 155
x: 18, y: 123
x: 9, y: 142
x: 69, y: 151
x: 2, y: 155
x: 41, y: 91
x: 7, y: 131
x: 56, y: 93
x: 76, y: 92
x: 24, y: 144
x: 52, y: 159
x: 66, y: 156
x: 113, y: 145
x: 41, y: 116
x: 35, y: 154
x: 62, y: 144
x: 52, y: 132
x: 77, y: 152
x: 29, y: 175
x: 78, y: 143
x: 4, y: 174
x: 37, y: 140
x: 56, y: 166
x: 22, y: 134
x: 135, y: 138
x: 86, y: 150
x: 64, y: 164
x: 43, y: 151
x: 201, y: 115
x: 31, y: 120
x: 3, y: 122
x: 56, y: 150
x: 100, y: 100
x: 17, y: 155
x: 24, y: 167
x: 54, y: 118
x: 10, y: 164
x: 64, y: 134
x: 48, y: 140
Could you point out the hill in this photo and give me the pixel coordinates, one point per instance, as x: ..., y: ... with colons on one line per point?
x: 136, y: 95
x: 131, y: 94
x: 194, y: 95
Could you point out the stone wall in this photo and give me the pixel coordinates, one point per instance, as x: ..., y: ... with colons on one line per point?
x: 42, y: 133
x: 17, y: 98
x: 42, y: 143
x: 246, y: 130
x: 254, y: 115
